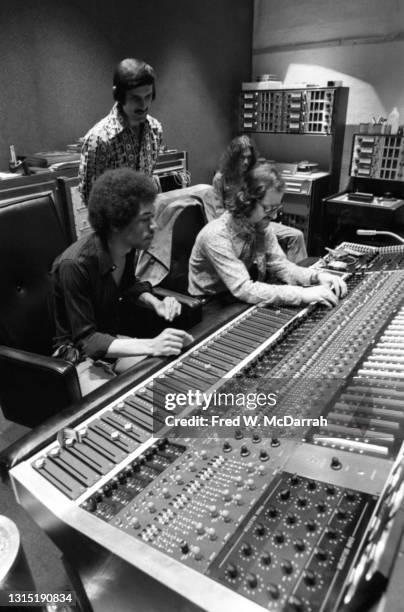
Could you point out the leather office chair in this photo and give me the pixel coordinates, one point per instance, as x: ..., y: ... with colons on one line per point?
x: 33, y: 385
x: 175, y: 283
x: 186, y: 228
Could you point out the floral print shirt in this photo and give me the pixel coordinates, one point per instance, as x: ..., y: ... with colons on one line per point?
x: 112, y: 143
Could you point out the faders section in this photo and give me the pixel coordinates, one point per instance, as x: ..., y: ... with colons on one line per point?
x: 294, y: 549
x: 369, y: 412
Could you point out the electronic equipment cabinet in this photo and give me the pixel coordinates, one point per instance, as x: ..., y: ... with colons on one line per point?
x: 290, y: 125
x: 374, y: 198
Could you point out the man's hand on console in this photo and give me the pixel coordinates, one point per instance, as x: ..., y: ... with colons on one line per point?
x: 170, y: 342
x: 319, y: 294
x: 334, y: 282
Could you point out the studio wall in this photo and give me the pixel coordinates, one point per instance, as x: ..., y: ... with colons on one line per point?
x: 58, y: 58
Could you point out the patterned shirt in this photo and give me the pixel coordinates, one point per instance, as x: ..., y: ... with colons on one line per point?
x: 223, y: 254
x: 112, y: 143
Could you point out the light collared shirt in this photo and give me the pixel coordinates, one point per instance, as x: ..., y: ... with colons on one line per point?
x: 222, y: 257
x: 113, y: 143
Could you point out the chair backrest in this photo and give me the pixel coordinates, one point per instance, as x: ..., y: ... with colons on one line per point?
x: 186, y: 228
x: 32, y: 235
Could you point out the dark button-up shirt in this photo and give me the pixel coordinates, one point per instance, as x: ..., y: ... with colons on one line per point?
x: 86, y: 299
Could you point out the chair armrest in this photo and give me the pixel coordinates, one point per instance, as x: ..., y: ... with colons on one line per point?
x: 57, y: 366
x: 34, y: 386
x: 188, y: 300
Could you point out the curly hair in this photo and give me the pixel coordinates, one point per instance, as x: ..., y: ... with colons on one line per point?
x: 116, y: 197
x: 230, y: 161
x: 257, y: 182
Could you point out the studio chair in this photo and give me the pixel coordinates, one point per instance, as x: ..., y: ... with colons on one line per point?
x: 33, y: 385
x: 165, y: 264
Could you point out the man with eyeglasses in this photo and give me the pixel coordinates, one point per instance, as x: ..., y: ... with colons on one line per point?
x: 228, y: 248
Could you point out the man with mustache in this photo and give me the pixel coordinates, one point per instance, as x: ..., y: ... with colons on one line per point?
x: 128, y: 136
x: 94, y: 280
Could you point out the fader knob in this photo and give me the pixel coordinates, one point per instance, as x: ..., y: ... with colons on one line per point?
x: 238, y: 499
x: 336, y: 463
x: 134, y: 522
x: 238, y: 434
x: 296, y: 603
x: 184, y: 548
x: 310, y: 578
x: 246, y: 549
x: 200, y: 529
x: 91, y: 504
x: 263, y: 456
x: 231, y: 570
x: 107, y: 490
x: 321, y: 554
x: 211, y: 533
x: 227, y: 447
x: 244, y: 451
x: 260, y: 530
x: 266, y: 558
x: 275, y: 442
x: 251, y: 580
x: 256, y: 438
x: 287, y: 566
x: 299, y: 545
x: 250, y: 484
x: 273, y: 591
x: 272, y: 512
x: 226, y: 516
x: 279, y: 537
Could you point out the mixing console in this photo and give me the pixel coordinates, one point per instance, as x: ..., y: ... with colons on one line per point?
x: 269, y: 517
x: 379, y: 258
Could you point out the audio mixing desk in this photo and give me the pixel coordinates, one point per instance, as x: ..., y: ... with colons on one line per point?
x: 250, y: 518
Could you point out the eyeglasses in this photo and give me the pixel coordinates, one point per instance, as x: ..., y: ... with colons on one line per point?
x: 272, y: 213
